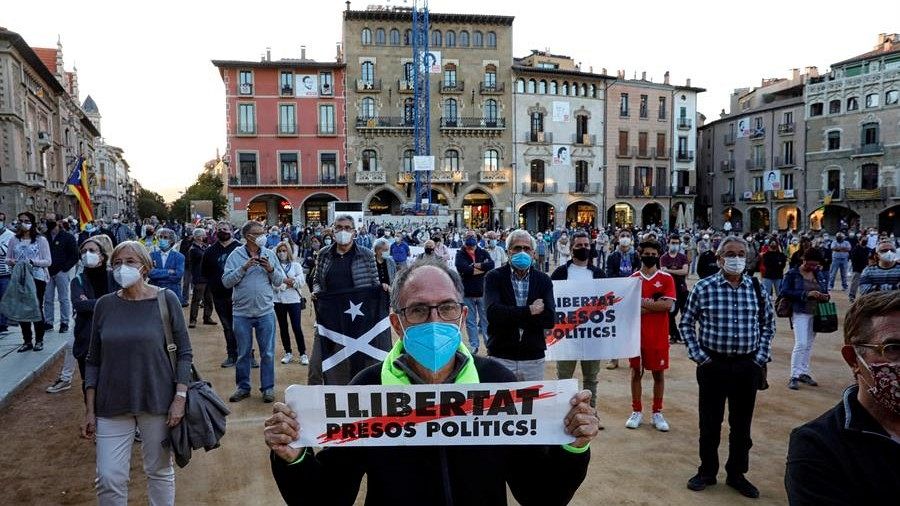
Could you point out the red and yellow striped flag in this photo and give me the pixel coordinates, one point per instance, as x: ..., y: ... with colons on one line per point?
x: 78, y: 183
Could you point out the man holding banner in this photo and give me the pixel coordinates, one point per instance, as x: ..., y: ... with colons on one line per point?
x: 352, y: 329
x: 427, y: 311
x: 579, y: 268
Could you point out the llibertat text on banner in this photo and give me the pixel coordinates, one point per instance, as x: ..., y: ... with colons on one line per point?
x: 596, y: 319
x: 520, y: 413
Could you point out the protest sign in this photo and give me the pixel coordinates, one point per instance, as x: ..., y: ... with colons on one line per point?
x: 596, y: 319
x: 521, y: 413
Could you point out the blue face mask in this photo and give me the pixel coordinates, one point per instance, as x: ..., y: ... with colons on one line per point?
x: 164, y: 244
x: 432, y: 344
x: 521, y: 260
x: 471, y: 242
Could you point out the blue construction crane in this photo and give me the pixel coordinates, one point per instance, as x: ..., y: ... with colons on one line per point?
x: 421, y: 101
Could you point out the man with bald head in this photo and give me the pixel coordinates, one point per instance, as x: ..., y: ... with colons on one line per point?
x: 427, y: 313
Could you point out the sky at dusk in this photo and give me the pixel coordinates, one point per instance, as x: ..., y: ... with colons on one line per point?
x: 147, y: 64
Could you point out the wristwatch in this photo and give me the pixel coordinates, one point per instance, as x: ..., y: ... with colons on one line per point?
x: 181, y: 394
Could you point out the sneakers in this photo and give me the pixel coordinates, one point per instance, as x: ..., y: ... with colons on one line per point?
x: 38, y: 346
x: 268, y: 395
x: 210, y: 322
x: 794, y: 384
x: 48, y: 327
x: 304, y: 360
x: 613, y: 364
x: 239, y: 395
x: 742, y: 485
x: 699, y: 482
x: 63, y: 328
x: 192, y: 325
x: 659, y: 421
x: 286, y: 359
x: 806, y: 378
x: 634, y: 421
x: 25, y: 347
x: 59, y: 386
x: 228, y: 362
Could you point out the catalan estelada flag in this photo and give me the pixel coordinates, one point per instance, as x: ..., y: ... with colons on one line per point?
x: 78, y: 183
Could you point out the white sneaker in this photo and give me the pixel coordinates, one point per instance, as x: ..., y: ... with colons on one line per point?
x: 634, y: 421
x: 659, y: 421
x: 286, y: 359
x: 58, y: 386
x: 304, y: 360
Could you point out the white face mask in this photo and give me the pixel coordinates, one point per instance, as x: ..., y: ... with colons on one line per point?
x: 887, y: 256
x: 90, y: 259
x: 261, y: 241
x: 343, y: 237
x: 126, y: 275
x: 735, y: 265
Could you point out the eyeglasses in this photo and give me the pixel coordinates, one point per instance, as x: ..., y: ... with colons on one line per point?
x: 889, y: 351
x: 339, y: 228
x: 519, y: 247
x: 419, y: 313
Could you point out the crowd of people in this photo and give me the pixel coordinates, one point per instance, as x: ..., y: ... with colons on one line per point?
x: 118, y: 280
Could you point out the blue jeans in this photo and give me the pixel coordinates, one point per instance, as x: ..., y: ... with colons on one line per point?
x: 4, y: 283
x: 58, y: 284
x: 838, y: 264
x: 768, y: 285
x: 476, y: 318
x: 265, y: 338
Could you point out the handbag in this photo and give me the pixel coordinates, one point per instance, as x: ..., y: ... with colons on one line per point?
x: 784, y: 308
x: 20, y: 302
x: 203, y: 424
x: 825, y: 319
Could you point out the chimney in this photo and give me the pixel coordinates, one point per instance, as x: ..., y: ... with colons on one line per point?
x: 812, y: 71
x: 348, y: 4
x: 644, y: 75
x: 620, y: 74
x: 339, y: 55
x: 591, y: 69
x: 795, y: 74
x: 666, y: 77
x: 302, y: 52
x: 688, y: 82
x: 603, y: 71
x: 268, y: 54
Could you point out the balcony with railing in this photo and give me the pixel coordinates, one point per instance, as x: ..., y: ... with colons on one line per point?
x: 684, y: 155
x: 754, y: 197
x: 659, y: 153
x: 404, y: 86
x: 729, y: 139
x: 755, y: 164
x: 370, y: 177
x: 584, y: 188
x: 584, y: 139
x: 623, y: 191
x: 473, y: 124
x: 493, y: 176
x: 368, y: 85
x: 626, y: 151
x: 491, y: 88
x: 685, y: 123
x: 785, y: 129
x: 437, y: 176
x: 453, y: 87
x: 643, y: 152
x: 858, y: 195
x: 306, y: 179
x: 834, y: 194
x: 538, y: 188
x: 727, y: 198
x: 757, y: 133
x: 783, y: 161
x: 871, y: 149
x: 651, y: 191
x: 784, y: 195
x: 727, y: 166
x: 382, y: 123
x: 538, y: 137
x: 684, y: 191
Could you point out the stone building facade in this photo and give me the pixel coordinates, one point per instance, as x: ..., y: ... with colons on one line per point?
x: 111, y: 185
x: 470, y: 107
x: 559, y: 142
x: 42, y: 128
x: 762, y: 138
x: 853, y: 151
x: 650, y: 176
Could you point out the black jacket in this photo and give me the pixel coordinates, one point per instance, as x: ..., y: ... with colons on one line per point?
x: 434, y: 475
x: 505, y: 318
x: 195, y: 263
x: 473, y: 284
x: 63, y: 252
x: 859, y: 257
x: 774, y: 262
x: 562, y: 272
x: 614, y: 260
x: 213, y: 267
x: 84, y: 309
x: 707, y: 265
x: 843, y: 457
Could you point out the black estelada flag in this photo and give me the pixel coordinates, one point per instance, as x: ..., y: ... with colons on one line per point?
x: 354, y: 331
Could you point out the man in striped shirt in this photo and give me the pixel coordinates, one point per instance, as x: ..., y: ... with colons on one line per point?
x: 883, y: 276
x: 732, y: 346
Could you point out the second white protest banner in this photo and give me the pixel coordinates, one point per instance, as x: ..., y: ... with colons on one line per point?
x: 596, y: 319
x: 528, y: 413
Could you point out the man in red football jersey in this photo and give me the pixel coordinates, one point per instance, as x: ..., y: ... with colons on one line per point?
x: 657, y: 297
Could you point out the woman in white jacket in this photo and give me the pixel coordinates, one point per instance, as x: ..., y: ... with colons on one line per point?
x: 288, y: 303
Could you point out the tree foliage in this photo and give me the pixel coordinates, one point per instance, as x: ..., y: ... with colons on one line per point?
x: 207, y: 187
x: 151, y: 204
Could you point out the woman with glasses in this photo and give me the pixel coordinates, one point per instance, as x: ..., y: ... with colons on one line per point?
x: 30, y: 247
